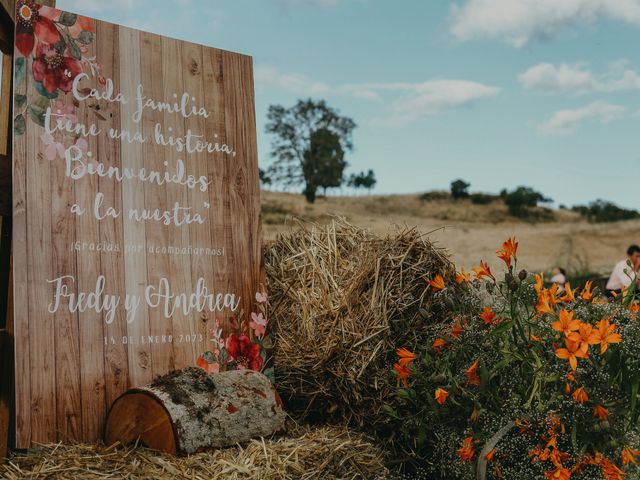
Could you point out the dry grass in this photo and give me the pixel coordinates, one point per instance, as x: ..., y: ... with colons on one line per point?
x: 469, y: 232
x: 342, y: 301
x: 321, y: 453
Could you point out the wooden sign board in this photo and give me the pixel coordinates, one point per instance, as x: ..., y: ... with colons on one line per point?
x: 136, y: 231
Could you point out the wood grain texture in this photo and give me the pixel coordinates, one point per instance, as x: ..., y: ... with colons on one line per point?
x: 73, y: 363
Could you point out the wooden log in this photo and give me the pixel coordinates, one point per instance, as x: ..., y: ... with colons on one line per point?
x: 191, y: 410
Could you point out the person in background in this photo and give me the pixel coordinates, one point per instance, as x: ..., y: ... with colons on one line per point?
x: 559, y: 278
x: 624, y: 275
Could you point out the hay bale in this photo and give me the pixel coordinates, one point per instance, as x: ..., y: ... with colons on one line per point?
x: 342, y: 301
x: 305, y: 454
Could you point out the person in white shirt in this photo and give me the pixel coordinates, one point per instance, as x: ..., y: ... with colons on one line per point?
x: 624, y: 275
x: 559, y: 278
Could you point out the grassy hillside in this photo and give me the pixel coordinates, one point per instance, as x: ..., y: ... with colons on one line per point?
x: 470, y: 232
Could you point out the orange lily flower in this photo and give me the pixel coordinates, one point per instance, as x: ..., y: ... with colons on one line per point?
x: 580, y: 395
x: 439, y: 343
x: 403, y: 372
x: 539, y: 283
x: 600, y: 412
x: 560, y: 473
x: 568, y: 296
x: 533, y: 338
x: 483, y: 270
x: 474, y: 416
x: 456, y: 330
x: 441, y: 396
x: 489, y: 456
x: 405, y: 356
x: 488, y: 316
x: 467, y: 451
x: 604, y: 334
x: 628, y: 455
x: 566, y: 324
x: 586, y: 293
x: 472, y: 374
x: 582, y: 336
x: 463, y: 276
x: 437, y: 283
x: 571, y: 353
x: 509, y: 250
x: 545, y: 302
x: 608, y: 469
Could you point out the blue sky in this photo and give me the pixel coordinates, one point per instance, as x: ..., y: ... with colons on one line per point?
x: 499, y: 92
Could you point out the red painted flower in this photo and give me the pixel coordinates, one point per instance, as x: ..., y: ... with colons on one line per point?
x: 54, y: 69
x: 34, y: 21
x: 245, y: 353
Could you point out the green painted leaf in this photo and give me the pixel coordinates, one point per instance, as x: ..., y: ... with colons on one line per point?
x: 20, y: 67
x: 75, y: 50
x: 67, y: 19
x: 37, y: 114
x: 43, y: 91
x: 270, y: 374
x: 86, y: 37
x: 19, y: 125
x: 20, y: 101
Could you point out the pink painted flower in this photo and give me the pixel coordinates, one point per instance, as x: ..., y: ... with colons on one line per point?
x: 63, y: 113
x: 52, y: 149
x: 258, y: 324
x: 261, y: 297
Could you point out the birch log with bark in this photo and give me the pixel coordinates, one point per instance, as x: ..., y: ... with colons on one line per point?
x: 190, y: 410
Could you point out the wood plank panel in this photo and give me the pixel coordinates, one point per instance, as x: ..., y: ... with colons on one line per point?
x: 80, y: 355
x: 39, y: 262
x: 160, y: 328
x: 20, y: 282
x: 116, y: 361
x: 191, y: 64
x: 180, y: 272
x: 135, y: 264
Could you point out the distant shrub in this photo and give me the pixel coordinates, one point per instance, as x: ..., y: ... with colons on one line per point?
x: 601, y: 211
x: 460, y: 189
x: 435, y: 195
x: 523, y: 200
x: 482, y: 198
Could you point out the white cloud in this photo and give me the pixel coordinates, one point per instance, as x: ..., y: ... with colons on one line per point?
x: 578, y: 78
x: 407, y: 102
x: 269, y: 76
x: 433, y: 98
x: 519, y: 22
x: 568, y: 121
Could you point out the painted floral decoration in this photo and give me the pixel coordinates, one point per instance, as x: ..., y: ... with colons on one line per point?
x: 240, y: 347
x: 53, y: 48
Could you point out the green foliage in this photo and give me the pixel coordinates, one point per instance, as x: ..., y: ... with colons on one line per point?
x: 482, y: 198
x: 265, y: 179
x: 523, y: 200
x: 601, y: 211
x: 498, y: 361
x: 435, y: 195
x: 323, y: 164
x: 307, y: 134
x: 460, y: 189
x: 363, y: 180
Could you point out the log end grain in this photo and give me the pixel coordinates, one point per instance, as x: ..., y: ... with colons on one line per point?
x: 138, y: 416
